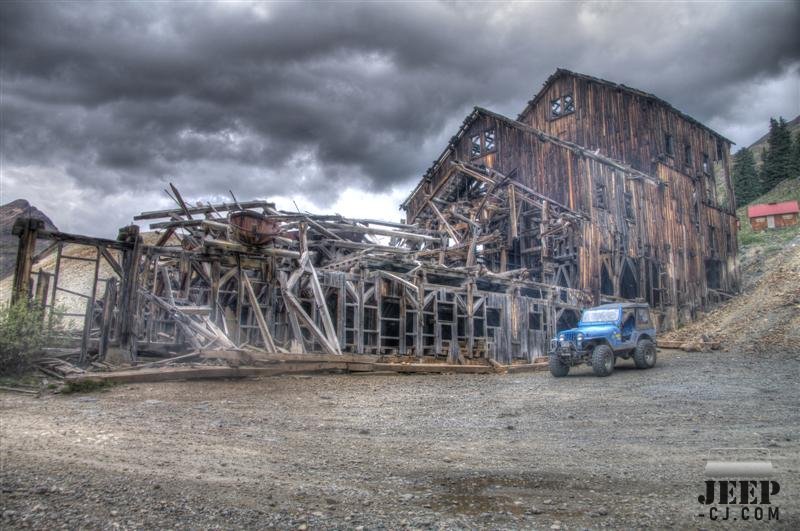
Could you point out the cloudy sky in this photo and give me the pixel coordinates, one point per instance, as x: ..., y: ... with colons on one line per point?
x: 338, y: 107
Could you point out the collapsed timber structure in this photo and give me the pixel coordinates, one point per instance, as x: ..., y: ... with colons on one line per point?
x: 584, y: 198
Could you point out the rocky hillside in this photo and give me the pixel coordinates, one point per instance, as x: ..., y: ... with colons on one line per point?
x: 8, y: 242
x: 765, y: 318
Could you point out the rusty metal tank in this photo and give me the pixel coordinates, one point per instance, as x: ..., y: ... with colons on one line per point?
x: 251, y: 228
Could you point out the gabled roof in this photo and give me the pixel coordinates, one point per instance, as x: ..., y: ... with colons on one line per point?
x: 772, y: 209
x: 636, y: 92
x: 541, y: 135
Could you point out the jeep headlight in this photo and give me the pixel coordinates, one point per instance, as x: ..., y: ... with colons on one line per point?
x: 562, y: 337
x: 579, y: 338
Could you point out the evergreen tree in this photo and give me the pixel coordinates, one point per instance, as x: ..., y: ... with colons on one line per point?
x: 746, y: 182
x: 778, y: 157
x: 796, y: 165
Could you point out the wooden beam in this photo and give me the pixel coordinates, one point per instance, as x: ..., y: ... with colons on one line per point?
x: 262, y: 323
x: 381, y: 232
x: 294, y: 306
x: 129, y: 289
x: 447, y: 226
x: 157, y: 214
x: 322, y: 309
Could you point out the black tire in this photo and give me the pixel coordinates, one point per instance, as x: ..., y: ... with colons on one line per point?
x: 645, y: 354
x: 557, y: 367
x: 602, y: 360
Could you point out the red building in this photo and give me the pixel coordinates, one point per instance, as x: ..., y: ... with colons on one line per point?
x: 773, y: 215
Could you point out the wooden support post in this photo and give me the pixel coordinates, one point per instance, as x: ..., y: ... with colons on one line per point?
x: 129, y: 292
x: 419, y: 329
x: 341, y: 308
x: 185, y: 276
x: 42, y: 290
x: 378, y: 313
x: 87, y: 324
x: 402, y: 326
x: 437, y: 327
x: 512, y: 215
x: 213, y: 295
x: 359, y: 324
x: 470, y: 317
x: 109, y: 300
x: 27, y: 229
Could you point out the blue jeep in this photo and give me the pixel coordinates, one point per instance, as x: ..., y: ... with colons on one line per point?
x: 604, y: 333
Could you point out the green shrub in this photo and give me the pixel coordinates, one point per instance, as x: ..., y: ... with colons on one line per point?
x: 23, y: 333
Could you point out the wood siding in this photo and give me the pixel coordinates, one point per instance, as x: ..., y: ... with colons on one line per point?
x: 632, y: 127
x: 680, y: 249
x: 760, y: 223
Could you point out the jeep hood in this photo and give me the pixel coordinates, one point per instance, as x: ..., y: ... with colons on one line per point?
x: 597, y: 330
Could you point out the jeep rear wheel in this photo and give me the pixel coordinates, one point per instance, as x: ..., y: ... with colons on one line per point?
x: 645, y: 354
x: 602, y: 360
x: 557, y: 367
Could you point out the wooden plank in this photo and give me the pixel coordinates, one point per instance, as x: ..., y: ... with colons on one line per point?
x: 433, y: 368
x: 380, y: 232
x: 526, y: 367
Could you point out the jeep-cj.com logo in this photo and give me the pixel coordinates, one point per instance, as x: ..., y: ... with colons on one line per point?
x: 740, y: 486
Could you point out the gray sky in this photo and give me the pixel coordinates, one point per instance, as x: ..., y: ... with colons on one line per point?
x: 339, y: 107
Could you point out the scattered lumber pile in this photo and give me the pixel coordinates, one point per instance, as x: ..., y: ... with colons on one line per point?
x: 57, y: 368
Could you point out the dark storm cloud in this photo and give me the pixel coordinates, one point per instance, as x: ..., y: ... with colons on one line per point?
x: 306, y: 99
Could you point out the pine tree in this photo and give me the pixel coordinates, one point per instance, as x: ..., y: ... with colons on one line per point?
x: 746, y: 182
x: 796, y: 157
x: 778, y: 157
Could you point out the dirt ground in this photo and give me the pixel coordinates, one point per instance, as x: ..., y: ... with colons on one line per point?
x: 395, y: 451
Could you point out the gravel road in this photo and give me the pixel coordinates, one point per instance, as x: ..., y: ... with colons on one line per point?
x: 401, y: 451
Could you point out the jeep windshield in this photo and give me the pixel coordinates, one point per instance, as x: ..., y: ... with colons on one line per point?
x: 600, y: 316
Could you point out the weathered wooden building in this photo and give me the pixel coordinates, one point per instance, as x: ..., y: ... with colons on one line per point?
x: 773, y: 215
x: 647, y: 188
x: 596, y: 192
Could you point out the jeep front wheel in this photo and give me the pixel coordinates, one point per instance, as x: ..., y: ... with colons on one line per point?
x: 645, y: 354
x: 602, y: 360
x: 557, y: 367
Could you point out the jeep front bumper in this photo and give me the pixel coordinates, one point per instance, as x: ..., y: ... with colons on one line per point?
x: 566, y: 349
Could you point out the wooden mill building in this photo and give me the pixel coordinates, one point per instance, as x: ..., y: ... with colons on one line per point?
x: 596, y: 192
x: 633, y: 198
